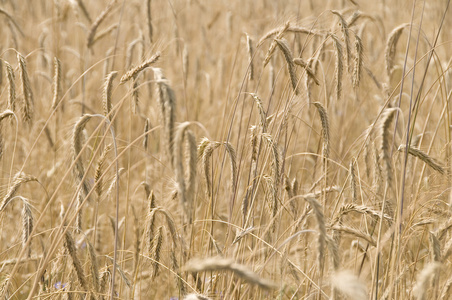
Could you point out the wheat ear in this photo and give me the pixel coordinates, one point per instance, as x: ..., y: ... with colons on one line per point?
x: 135, y: 71
x: 149, y: 20
x: 219, y: 263
x: 11, y: 87
x: 349, y: 285
x: 282, y: 43
x: 167, y: 103
x: 98, y: 182
x: 321, y: 240
x: 286, y: 27
x: 325, y: 128
x: 423, y: 280
x: 353, y: 183
x: 156, y: 251
x: 108, y: 86
x: 386, y: 120
x: 56, y: 83
x: 430, y: 161
x: 185, y: 183
x: 273, y: 45
x: 19, y: 179
x: 339, y: 67
x: 345, y: 35
x: 69, y: 244
x: 146, y: 134
x: 27, y: 109
x: 27, y: 224
x: 97, y: 22
x: 309, y: 71
x: 94, y: 267
x: 250, y: 48
x: 391, y: 45
x: 358, y: 63
x: 205, y: 150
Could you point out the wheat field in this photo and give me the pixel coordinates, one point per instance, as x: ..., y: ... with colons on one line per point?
x: 196, y: 149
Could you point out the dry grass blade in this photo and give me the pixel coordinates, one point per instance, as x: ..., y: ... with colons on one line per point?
x: 430, y: 161
x: 225, y: 264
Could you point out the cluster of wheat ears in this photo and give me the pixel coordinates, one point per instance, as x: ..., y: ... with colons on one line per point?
x: 291, y: 149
